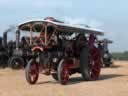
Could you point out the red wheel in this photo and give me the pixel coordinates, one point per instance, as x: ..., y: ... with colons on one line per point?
x: 95, y: 63
x: 90, y: 63
x: 63, y: 72
x: 32, y: 71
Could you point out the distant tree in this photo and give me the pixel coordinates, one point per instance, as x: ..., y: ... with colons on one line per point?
x: 120, y: 55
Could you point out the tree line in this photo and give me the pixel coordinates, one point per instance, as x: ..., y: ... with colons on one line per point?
x: 120, y: 55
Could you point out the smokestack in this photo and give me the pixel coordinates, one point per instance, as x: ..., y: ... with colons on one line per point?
x: 5, y: 33
x: 17, y: 38
x: 5, y: 39
x: 0, y: 41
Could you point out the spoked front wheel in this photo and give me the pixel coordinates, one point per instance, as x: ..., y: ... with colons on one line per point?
x: 32, y: 72
x: 63, y: 72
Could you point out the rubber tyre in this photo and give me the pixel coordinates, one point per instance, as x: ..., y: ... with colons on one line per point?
x: 27, y: 72
x: 13, y: 60
x: 84, y: 63
x: 107, y: 65
x: 59, y: 73
x: 55, y: 77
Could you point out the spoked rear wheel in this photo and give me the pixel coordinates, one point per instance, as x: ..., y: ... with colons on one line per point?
x: 95, y: 64
x: 63, y: 72
x: 32, y: 72
x: 90, y: 63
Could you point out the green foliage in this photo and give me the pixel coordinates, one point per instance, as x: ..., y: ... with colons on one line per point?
x: 120, y: 55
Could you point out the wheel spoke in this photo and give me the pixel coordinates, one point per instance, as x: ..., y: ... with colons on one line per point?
x: 95, y: 64
x: 63, y: 72
x: 32, y: 71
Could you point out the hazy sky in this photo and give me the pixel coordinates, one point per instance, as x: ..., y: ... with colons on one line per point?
x: 108, y: 15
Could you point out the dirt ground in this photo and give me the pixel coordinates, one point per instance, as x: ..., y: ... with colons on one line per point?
x: 112, y: 82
